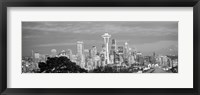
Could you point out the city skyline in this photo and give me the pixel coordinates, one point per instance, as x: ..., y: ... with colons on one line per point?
x: 146, y: 37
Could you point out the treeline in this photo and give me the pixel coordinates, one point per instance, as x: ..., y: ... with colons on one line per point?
x: 64, y: 65
x: 114, y: 69
x: 60, y: 65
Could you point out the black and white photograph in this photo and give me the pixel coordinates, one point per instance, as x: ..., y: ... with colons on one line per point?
x: 99, y: 47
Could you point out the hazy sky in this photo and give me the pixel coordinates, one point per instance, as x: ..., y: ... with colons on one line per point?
x: 147, y: 37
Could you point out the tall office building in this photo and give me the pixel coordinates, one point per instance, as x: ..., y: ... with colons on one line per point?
x: 69, y: 54
x: 106, y: 37
x: 153, y: 58
x: 94, y: 51
x: 80, y: 56
x: 89, y: 60
x: 113, y: 51
x: 102, y: 55
x: 126, y: 49
x: 79, y: 47
x: 120, y: 54
x: 42, y: 58
x: 120, y: 50
x: 63, y: 53
x: 126, y: 53
x: 37, y: 56
x: 53, y: 53
x: 103, y: 48
x: 90, y: 53
x: 46, y: 57
x: 164, y: 61
x: 139, y: 58
x: 86, y: 54
x: 37, y: 59
x: 32, y: 55
x: 94, y: 56
x: 113, y: 47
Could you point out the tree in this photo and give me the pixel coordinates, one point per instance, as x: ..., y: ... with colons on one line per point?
x: 42, y: 66
x: 60, y: 65
x: 106, y: 69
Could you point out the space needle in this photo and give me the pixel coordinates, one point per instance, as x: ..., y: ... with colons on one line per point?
x: 106, y: 37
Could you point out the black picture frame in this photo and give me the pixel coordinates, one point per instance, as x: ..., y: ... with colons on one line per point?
x: 99, y: 3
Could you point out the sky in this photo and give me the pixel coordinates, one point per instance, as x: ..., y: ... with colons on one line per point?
x: 146, y: 37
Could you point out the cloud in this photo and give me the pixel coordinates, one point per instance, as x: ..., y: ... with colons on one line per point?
x: 70, y: 43
x: 144, y: 35
x: 55, y: 44
x: 159, y: 46
x: 91, y: 27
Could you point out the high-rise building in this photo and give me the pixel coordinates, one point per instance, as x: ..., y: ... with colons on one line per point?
x: 86, y: 54
x: 42, y: 58
x: 112, y: 58
x: 103, y: 47
x: 139, y: 58
x: 102, y: 55
x: 74, y: 58
x: 94, y: 51
x: 90, y: 53
x: 80, y: 55
x: 53, y: 53
x: 113, y: 47
x: 37, y: 59
x: 153, y: 58
x: 37, y: 56
x: 69, y: 54
x: 94, y: 56
x: 79, y: 47
x: 126, y: 53
x: 126, y: 44
x: 106, y: 37
x: 126, y: 50
x: 63, y: 53
x: 120, y: 54
x: 113, y: 51
x: 32, y: 55
x: 46, y: 57
x: 164, y: 61
x: 120, y: 50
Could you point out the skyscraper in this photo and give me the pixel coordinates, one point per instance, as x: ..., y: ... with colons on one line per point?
x: 126, y: 48
x: 120, y: 50
x: 94, y: 56
x: 90, y: 53
x: 37, y: 59
x: 53, y: 53
x: 139, y: 58
x: 32, y: 55
x: 69, y: 54
x: 102, y: 55
x: 113, y: 51
x: 106, y: 37
x: 120, y: 54
x: 113, y: 47
x: 94, y: 51
x: 126, y: 53
x: 86, y: 54
x: 63, y: 53
x: 80, y: 56
x: 79, y: 47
